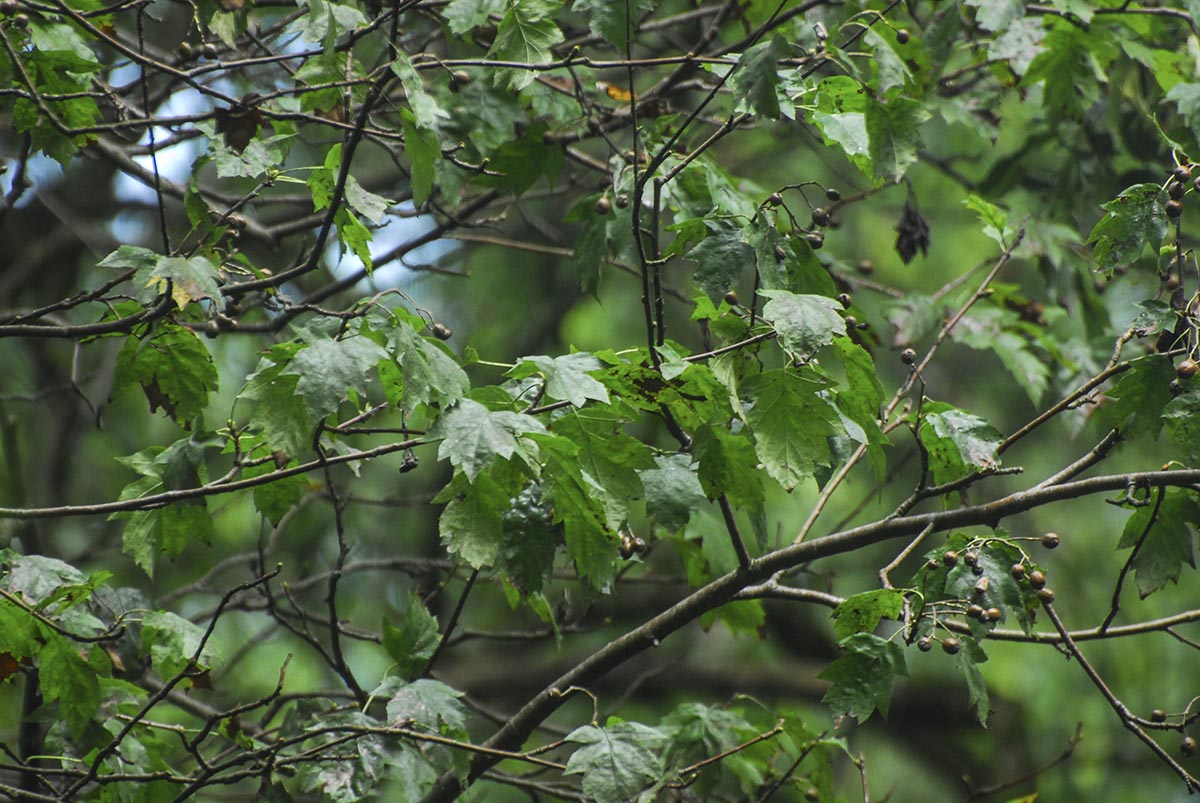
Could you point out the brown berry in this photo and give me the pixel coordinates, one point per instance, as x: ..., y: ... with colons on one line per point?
x: 977, y: 569
x: 902, y: 36
x: 731, y: 298
x: 210, y: 51
x: 908, y: 356
x: 185, y: 50
x: 1046, y: 595
x: 1188, y: 368
x: 1037, y: 579
x: 1182, y: 173
x: 1158, y: 715
x: 8, y: 7
x: 1188, y: 746
x: 1196, y: 184
x: 950, y: 557
x: 459, y: 79
x: 971, y: 557
x: 994, y: 614
x: 1050, y: 540
x: 976, y: 612
x: 812, y: 794
x: 21, y: 21
x: 981, y: 586
x: 845, y: 300
x: 1174, y: 209
x: 866, y: 267
x: 832, y: 194
x: 851, y: 322
x: 780, y: 254
x: 925, y: 644
x: 951, y: 645
x: 603, y: 205
x: 1176, y: 190
x: 774, y: 199
x: 1017, y: 570
x: 441, y: 331
x: 816, y: 239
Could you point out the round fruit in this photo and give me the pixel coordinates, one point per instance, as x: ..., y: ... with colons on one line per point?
x: 925, y: 644
x: 1037, y: 579
x: 820, y: 217
x: 1188, y: 746
x: 441, y: 331
x: 931, y: 564
x: 1188, y: 368
x: 832, y: 194
x: 21, y: 21
x: 775, y: 199
x: 1175, y: 387
x: 976, y: 612
x: 1158, y: 715
x: 1174, y: 209
x: 1046, y: 595
x: 1196, y: 183
x: 845, y: 300
x: 1176, y: 190
x: 866, y: 267
x: 603, y: 205
x: 1050, y: 540
x: 185, y: 49
x: 1017, y: 570
x: 951, y: 645
x: 1182, y: 173
x: 995, y: 614
x: 460, y: 78
x: 908, y: 356
x: 8, y: 7
x: 902, y: 36
x: 812, y: 793
x: 816, y: 239
x: 971, y: 558
x: 630, y: 157
x: 209, y: 51
x: 851, y: 321
x: 981, y: 586
x: 950, y: 557
x: 731, y: 298
x: 622, y: 200
x: 977, y: 569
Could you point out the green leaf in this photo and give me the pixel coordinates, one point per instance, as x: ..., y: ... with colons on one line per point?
x: 696, y: 732
x: 64, y: 676
x: 617, y: 762
x: 958, y: 442
x: 566, y: 378
x: 329, y: 370
x: 1181, y: 417
x: 893, y: 133
x: 673, y: 491
x: 860, y: 401
x: 426, y: 702
x: 608, y: 460
x: 1136, y: 402
x: 861, y: 613
x: 422, y: 372
x: 791, y: 423
x: 1136, y: 218
x: 720, y: 259
x: 472, y: 524
x: 463, y: 15
x: 1069, y: 65
x: 281, y: 415
x: 862, y: 677
x: 423, y: 149
x: 590, y: 253
x: 805, y: 323
x: 1186, y: 97
x: 848, y: 130
x: 413, y: 638
x: 531, y: 540
x: 610, y: 19
x: 173, y: 642
x: 995, y: 222
x: 1168, y: 544
x: 729, y: 465
x: 173, y: 368
x: 520, y: 163
x: 590, y: 542
x: 526, y: 34
x: 322, y: 180
x: 425, y: 109
x: 367, y: 204
x: 997, y: 15
x: 473, y: 436
x: 756, y: 77
x: 977, y: 691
